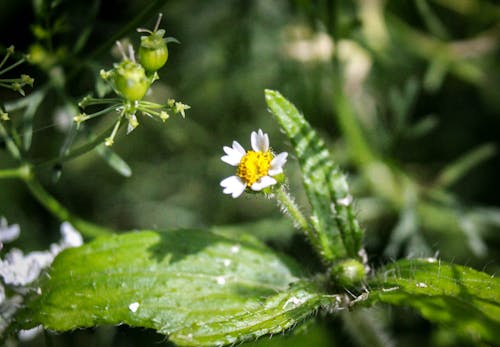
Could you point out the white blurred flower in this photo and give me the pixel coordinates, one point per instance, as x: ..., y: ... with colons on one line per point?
x: 70, y: 236
x: 303, y: 45
x: 30, y: 334
x: 18, y: 269
x: 63, y: 117
x: 8, y: 233
x: 256, y: 168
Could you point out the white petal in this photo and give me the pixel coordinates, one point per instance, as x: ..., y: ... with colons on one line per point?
x: 239, y: 147
x: 233, y: 185
x: 274, y: 172
x: 259, y: 141
x: 232, y: 160
x: 234, y: 154
x: 263, y: 182
x: 277, y: 164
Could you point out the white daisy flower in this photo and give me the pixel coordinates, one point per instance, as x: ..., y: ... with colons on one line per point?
x: 256, y: 167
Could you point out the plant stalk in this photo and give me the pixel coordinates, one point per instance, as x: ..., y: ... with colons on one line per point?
x: 52, y: 205
x: 287, y: 203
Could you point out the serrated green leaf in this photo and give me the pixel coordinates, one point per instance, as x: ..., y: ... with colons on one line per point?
x: 199, y: 288
x: 454, y: 295
x: 339, y: 234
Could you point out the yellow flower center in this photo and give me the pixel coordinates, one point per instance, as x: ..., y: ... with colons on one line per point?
x: 254, y: 165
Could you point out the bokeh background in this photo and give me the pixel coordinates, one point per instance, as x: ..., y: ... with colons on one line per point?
x: 422, y: 83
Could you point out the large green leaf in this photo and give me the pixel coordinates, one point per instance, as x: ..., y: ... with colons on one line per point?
x: 460, y: 297
x: 197, y: 287
x: 338, y: 232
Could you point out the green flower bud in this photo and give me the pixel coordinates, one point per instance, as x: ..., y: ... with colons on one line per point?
x: 153, y: 52
x: 129, y: 80
x: 349, y: 272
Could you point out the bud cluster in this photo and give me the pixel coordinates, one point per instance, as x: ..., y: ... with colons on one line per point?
x: 15, y: 84
x: 131, y: 80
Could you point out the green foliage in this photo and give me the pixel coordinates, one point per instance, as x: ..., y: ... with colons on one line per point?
x: 457, y: 296
x: 406, y: 97
x: 337, y: 232
x: 197, y: 287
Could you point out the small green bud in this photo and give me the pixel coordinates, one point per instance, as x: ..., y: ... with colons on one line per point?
x: 105, y: 75
x: 164, y: 116
x: 80, y: 118
x: 349, y: 272
x: 17, y: 87
x: 86, y: 100
x: 27, y: 80
x: 4, y: 115
x: 180, y: 108
x: 129, y: 80
x: 153, y: 52
x: 109, y: 141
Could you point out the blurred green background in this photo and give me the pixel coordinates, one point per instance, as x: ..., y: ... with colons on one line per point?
x: 418, y: 137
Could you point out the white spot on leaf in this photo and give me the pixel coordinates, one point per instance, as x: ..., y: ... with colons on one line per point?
x: 221, y: 280
x: 295, y: 301
x: 133, y: 307
x: 385, y: 290
x: 345, y: 201
x: 421, y: 285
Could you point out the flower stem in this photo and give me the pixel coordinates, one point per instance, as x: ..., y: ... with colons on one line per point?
x: 87, y: 147
x: 287, y: 203
x: 25, y: 174
x: 52, y: 205
x: 12, y: 173
x: 17, y: 63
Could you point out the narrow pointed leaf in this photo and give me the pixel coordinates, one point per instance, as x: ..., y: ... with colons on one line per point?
x: 197, y: 287
x: 31, y: 102
x: 114, y: 160
x: 456, y: 170
x: 457, y: 296
x: 333, y: 217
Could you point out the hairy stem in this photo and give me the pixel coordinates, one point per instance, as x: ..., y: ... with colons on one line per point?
x: 288, y: 205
